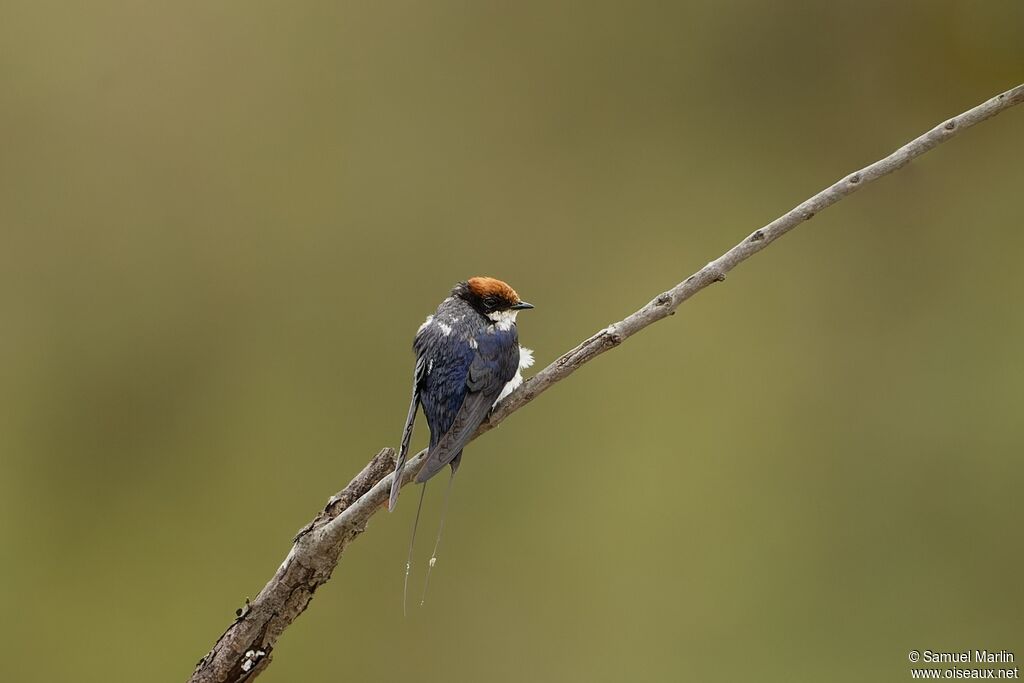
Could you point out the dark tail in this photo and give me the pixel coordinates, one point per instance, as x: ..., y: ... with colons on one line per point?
x: 403, y: 451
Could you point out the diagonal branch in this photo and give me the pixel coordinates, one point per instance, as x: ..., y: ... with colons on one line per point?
x: 244, y: 650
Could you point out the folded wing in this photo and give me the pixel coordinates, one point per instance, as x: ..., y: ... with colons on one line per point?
x: 495, y: 361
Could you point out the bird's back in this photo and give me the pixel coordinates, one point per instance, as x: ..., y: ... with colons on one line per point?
x: 446, y: 346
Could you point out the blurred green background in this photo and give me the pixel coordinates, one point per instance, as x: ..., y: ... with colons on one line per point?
x: 223, y: 222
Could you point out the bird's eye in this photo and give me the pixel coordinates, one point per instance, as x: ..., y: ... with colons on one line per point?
x: 490, y: 302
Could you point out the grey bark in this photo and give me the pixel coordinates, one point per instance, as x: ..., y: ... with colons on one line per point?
x: 246, y: 648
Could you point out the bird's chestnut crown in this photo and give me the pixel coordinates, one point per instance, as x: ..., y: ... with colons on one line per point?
x: 489, y: 295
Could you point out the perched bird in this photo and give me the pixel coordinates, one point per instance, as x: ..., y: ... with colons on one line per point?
x: 467, y: 359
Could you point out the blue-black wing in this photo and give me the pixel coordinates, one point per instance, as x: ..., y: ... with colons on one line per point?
x: 494, y: 361
x: 439, y: 385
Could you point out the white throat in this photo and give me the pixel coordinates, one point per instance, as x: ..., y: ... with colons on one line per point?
x: 503, y: 319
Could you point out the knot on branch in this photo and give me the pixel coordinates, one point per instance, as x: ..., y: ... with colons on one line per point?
x: 710, y: 274
x: 612, y: 336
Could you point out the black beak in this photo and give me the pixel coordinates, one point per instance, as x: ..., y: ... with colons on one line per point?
x: 522, y: 305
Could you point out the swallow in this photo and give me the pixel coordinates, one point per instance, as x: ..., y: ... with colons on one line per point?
x: 468, y: 358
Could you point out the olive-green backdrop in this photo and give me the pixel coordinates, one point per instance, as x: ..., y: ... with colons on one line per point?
x: 222, y: 222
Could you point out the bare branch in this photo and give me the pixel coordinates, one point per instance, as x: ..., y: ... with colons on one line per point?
x: 244, y: 650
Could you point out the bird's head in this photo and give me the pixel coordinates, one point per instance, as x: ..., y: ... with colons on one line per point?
x: 491, y: 297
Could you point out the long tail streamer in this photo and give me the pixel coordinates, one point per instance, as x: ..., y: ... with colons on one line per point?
x: 440, y: 530
x: 412, y: 544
